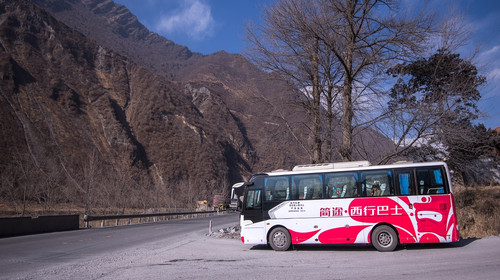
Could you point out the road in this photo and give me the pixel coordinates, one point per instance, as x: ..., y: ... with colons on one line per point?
x: 181, y: 249
x: 23, y: 255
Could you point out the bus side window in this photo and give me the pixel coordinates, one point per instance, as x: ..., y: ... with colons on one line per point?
x: 423, y: 181
x: 438, y: 186
x: 308, y: 186
x: 430, y: 181
x: 377, y: 183
x: 406, y: 183
x: 276, y: 188
x: 341, y: 185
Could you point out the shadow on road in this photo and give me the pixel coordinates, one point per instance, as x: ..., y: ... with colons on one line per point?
x: 368, y: 247
x: 321, y: 247
x: 458, y: 244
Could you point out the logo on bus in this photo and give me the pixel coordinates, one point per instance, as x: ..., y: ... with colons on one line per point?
x: 331, y: 212
x: 379, y: 210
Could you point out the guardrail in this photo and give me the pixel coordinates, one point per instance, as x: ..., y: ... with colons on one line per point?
x: 15, y: 226
x: 102, y: 218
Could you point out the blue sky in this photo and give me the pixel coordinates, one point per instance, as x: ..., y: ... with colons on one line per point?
x: 204, y: 26
x: 208, y: 26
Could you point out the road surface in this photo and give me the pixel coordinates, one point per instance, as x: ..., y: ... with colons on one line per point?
x: 181, y: 249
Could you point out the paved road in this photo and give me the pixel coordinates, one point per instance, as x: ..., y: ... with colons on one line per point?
x: 181, y: 250
x: 25, y: 254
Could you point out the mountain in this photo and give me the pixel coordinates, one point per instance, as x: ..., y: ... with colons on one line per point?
x: 252, y: 96
x: 264, y: 103
x: 97, y: 110
x: 113, y: 25
x: 70, y: 104
x: 81, y: 122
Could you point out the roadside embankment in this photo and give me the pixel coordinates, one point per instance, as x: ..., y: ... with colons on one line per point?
x: 478, y: 211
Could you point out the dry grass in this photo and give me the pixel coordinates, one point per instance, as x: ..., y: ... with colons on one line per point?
x: 478, y: 211
x: 33, y: 209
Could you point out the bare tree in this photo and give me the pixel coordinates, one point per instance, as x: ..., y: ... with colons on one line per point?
x: 16, y: 187
x: 335, y: 46
x: 366, y: 37
x: 286, y: 45
x: 331, y: 93
x: 91, y: 174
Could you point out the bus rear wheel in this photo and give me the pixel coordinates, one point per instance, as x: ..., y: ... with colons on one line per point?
x: 384, y: 238
x: 279, y: 239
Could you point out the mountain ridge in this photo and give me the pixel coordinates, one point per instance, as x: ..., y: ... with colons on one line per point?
x: 116, y: 27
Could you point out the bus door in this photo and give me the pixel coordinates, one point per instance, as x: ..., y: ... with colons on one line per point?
x: 253, y: 229
x: 252, y: 210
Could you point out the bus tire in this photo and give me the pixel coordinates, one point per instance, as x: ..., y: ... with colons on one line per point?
x: 279, y: 239
x: 384, y: 238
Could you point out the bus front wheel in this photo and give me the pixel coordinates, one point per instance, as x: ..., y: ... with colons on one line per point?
x: 279, y: 239
x: 384, y: 238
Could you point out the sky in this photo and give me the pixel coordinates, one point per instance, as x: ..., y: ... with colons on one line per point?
x: 208, y: 26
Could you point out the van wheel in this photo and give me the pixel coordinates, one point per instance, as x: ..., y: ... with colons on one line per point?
x: 280, y: 239
x: 384, y: 238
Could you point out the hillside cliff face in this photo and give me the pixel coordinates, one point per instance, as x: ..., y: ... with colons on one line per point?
x: 97, y: 109
x: 69, y: 103
x: 250, y: 95
x: 267, y: 109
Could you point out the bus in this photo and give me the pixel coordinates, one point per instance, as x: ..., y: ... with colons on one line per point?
x: 350, y: 203
x: 237, y: 192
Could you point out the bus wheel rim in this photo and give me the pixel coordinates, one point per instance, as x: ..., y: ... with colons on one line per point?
x: 384, y: 239
x: 279, y: 239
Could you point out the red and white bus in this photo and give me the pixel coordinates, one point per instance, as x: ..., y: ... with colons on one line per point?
x: 350, y: 203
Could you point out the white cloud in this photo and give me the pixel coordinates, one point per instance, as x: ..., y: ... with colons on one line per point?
x: 193, y: 18
x: 494, y: 74
x: 491, y: 51
x: 490, y: 61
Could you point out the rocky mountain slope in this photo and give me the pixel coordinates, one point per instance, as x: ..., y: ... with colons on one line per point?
x: 69, y: 104
x: 254, y: 98
x: 96, y: 109
x: 265, y: 105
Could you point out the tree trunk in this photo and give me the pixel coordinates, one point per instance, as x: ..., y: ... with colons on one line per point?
x: 329, y: 125
x: 347, y: 108
x: 346, y: 150
x: 316, y: 103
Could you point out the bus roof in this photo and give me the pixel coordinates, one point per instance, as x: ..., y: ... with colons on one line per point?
x: 332, y: 165
x: 348, y: 166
